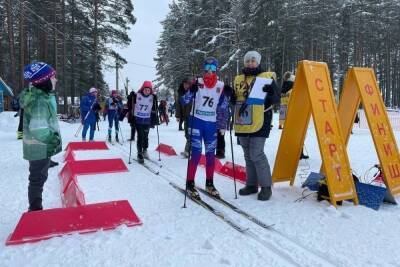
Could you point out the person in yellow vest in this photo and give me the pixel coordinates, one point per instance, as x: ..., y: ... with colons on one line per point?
x: 286, y: 90
x: 252, y: 124
x: 287, y: 85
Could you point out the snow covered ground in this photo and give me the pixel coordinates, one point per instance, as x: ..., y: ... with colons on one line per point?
x: 309, y: 233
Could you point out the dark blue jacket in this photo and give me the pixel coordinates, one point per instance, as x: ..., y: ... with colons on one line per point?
x: 89, y: 104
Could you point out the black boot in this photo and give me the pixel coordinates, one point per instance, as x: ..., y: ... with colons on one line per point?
x: 265, y: 193
x: 220, y: 154
x: 211, y: 188
x: 53, y: 164
x: 140, y: 158
x: 248, y: 190
x: 191, y: 190
x: 109, y: 138
x: 116, y: 138
x: 303, y: 156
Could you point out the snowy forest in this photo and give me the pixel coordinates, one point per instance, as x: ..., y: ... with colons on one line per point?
x: 75, y: 36
x: 342, y: 33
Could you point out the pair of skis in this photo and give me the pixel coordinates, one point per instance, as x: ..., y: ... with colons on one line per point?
x: 220, y: 214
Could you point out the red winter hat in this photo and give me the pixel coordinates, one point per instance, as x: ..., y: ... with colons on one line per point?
x: 147, y: 84
x: 113, y: 92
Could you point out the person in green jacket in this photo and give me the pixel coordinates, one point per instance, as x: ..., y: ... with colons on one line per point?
x: 41, y: 133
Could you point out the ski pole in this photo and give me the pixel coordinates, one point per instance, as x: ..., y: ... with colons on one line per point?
x: 130, y: 151
x: 190, y: 147
x: 120, y: 131
x: 232, y: 154
x: 158, y: 136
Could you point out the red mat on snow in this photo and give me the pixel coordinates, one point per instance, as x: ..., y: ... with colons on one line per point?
x: 41, y: 225
x: 166, y: 149
x: 227, y: 170
x: 74, y: 146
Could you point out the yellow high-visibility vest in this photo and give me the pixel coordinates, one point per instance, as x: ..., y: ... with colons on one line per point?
x: 252, y: 120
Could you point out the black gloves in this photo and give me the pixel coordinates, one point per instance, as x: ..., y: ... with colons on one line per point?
x: 96, y: 107
x: 228, y: 91
x: 269, y: 88
x: 194, y: 88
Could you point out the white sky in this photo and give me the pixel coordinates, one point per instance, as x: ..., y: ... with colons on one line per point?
x: 142, y: 50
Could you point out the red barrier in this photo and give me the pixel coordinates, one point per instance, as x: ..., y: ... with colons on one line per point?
x: 71, y: 194
x: 227, y: 170
x: 73, y: 146
x: 45, y: 224
x: 166, y: 149
x: 218, y: 164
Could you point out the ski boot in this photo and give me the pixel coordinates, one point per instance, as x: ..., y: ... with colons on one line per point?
x: 146, y: 154
x: 140, y: 158
x: 211, y: 188
x: 248, y: 190
x: 116, y: 138
x: 191, y: 190
x: 20, y: 135
x: 265, y: 193
x: 109, y: 138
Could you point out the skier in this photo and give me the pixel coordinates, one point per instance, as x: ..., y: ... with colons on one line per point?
x: 113, y: 109
x: 89, y: 107
x: 131, y: 110
x: 145, y: 109
x: 162, y: 109
x: 208, y: 95
x: 183, y: 112
x: 252, y: 125
x: 41, y: 132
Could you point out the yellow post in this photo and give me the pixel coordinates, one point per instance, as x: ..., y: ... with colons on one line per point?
x: 361, y: 85
x: 312, y: 94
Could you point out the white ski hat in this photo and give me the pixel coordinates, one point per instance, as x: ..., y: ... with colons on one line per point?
x: 92, y: 90
x: 252, y: 55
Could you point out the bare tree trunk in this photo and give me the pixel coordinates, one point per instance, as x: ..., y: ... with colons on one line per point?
x: 73, y: 57
x: 64, y: 60
x: 95, y: 40
x: 13, y: 81
x: 21, y: 47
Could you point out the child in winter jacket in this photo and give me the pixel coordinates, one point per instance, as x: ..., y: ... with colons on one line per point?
x: 41, y: 133
x: 89, y: 108
x: 207, y: 94
x: 114, y: 108
x: 145, y: 109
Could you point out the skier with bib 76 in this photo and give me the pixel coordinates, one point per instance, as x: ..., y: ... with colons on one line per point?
x: 208, y: 95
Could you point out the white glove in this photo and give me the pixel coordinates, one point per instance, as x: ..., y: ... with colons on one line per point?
x: 222, y: 131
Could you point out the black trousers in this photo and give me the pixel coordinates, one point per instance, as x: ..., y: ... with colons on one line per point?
x: 133, y: 130
x: 21, y: 121
x: 142, y: 137
x: 38, y: 173
x: 181, y: 123
x: 220, y: 143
